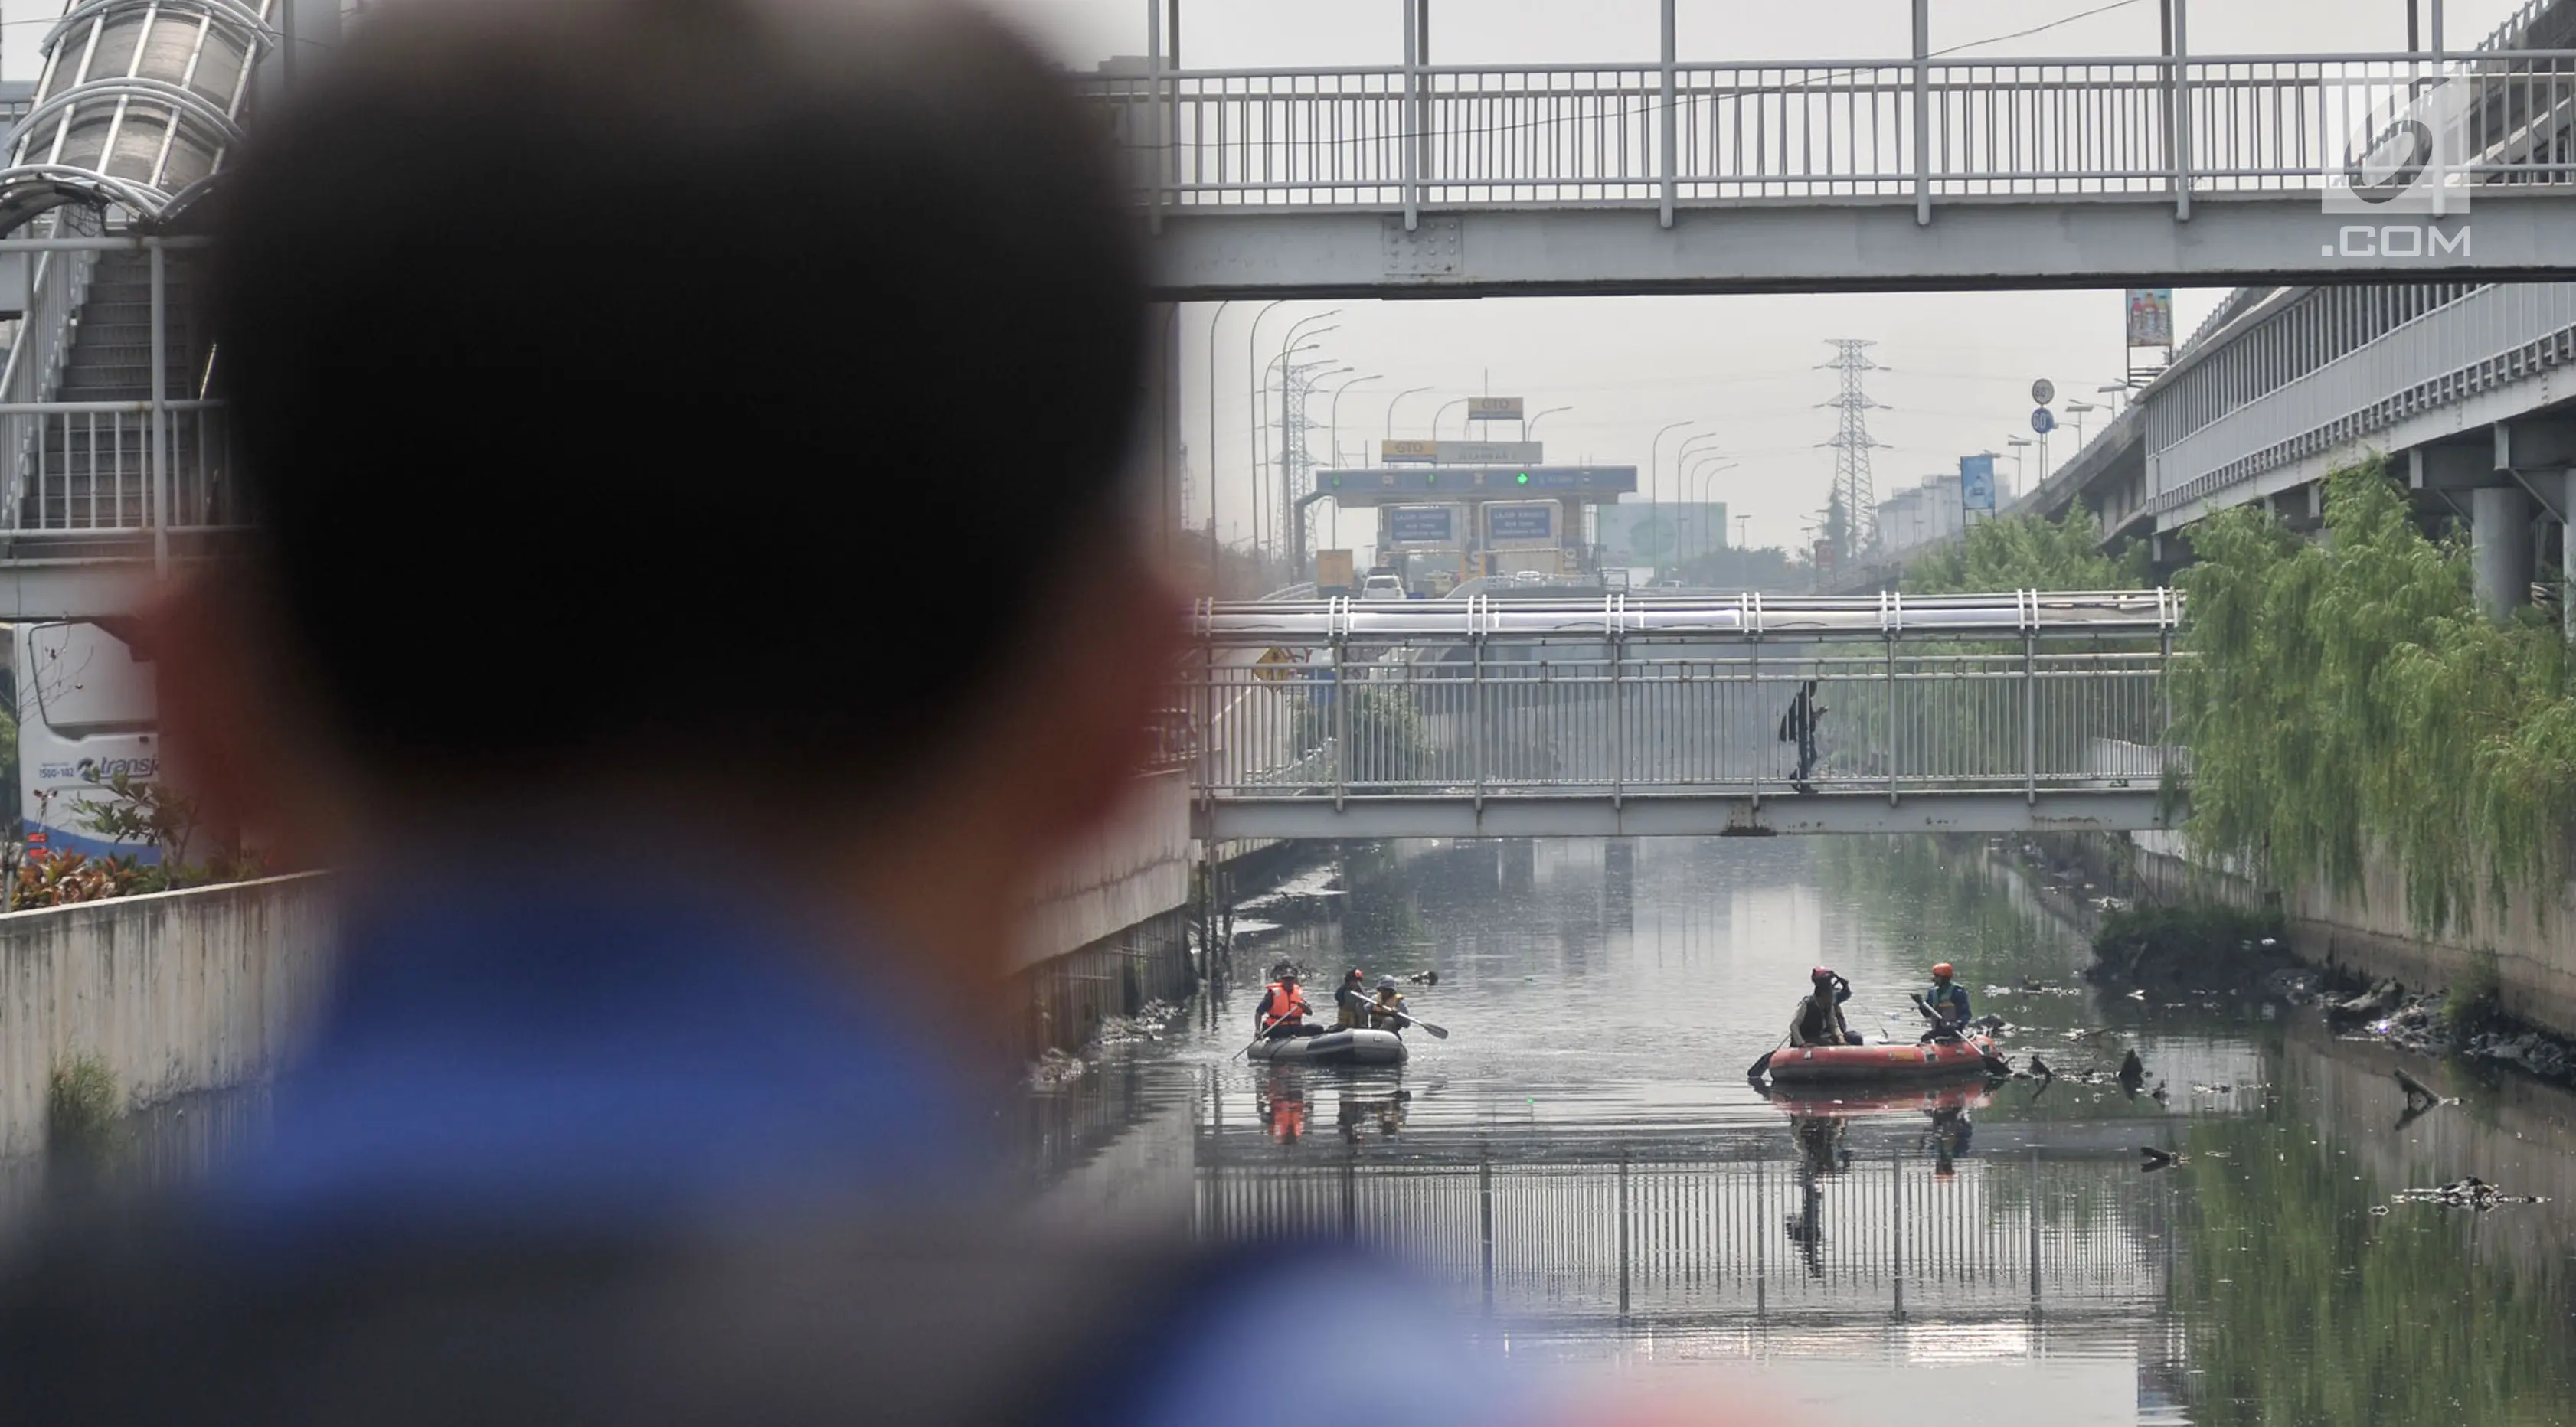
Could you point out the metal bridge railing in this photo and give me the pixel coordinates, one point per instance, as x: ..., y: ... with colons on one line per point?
x: 1891, y: 1233
x: 1477, y: 699
x: 1401, y: 138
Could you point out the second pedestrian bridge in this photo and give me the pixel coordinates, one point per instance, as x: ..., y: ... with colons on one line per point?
x: 1750, y: 715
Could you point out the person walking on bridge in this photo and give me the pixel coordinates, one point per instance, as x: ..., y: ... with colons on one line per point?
x: 1798, y: 726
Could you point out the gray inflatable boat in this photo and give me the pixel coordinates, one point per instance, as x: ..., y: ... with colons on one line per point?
x: 1358, y: 1047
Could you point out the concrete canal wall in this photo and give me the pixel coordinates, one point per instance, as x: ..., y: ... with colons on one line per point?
x: 2534, y: 942
x: 1108, y: 929
x: 173, y: 993
x: 198, y: 990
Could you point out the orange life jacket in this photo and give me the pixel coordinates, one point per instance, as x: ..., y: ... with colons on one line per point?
x: 1287, y: 1003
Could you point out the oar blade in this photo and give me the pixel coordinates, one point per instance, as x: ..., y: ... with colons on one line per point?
x: 1761, y: 1067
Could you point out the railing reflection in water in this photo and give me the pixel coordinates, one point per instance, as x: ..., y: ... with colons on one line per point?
x: 1892, y: 1231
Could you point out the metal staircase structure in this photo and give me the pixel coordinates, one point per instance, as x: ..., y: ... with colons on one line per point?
x: 115, y: 452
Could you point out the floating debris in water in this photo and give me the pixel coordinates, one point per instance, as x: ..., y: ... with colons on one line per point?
x: 1056, y: 1069
x: 2469, y: 1193
x: 2152, y: 1159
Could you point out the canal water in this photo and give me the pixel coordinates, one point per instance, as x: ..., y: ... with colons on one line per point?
x: 1582, y: 1171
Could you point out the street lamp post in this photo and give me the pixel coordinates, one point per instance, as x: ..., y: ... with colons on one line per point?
x: 1295, y: 330
x: 1390, y: 411
x: 1216, y: 559
x: 2117, y: 391
x: 1444, y: 411
x: 1337, y: 409
x: 1253, y: 423
x: 1530, y: 431
x: 1700, y: 471
x: 2079, y: 410
x: 1286, y: 367
x: 1654, y: 462
x: 2018, y: 444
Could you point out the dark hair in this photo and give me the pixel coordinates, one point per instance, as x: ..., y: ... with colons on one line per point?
x: 604, y: 369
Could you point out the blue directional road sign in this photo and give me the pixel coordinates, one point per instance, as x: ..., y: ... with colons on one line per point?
x: 1977, y: 482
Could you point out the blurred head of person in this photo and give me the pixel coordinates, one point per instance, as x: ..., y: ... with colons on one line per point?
x: 689, y: 429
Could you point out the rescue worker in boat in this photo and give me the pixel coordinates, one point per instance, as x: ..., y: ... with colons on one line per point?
x: 1820, y: 1017
x: 1351, y: 1001
x: 1387, y: 1012
x: 1282, y: 1012
x: 1949, y: 1003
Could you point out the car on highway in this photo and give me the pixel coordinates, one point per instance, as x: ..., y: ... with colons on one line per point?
x: 1381, y: 586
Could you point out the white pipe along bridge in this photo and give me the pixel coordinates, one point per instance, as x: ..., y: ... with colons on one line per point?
x: 1750, y: 715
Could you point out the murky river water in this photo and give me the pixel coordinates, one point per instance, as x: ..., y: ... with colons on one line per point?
x: 1584, y: 1171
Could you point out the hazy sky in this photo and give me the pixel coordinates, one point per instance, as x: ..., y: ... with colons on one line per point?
x: 1960, y: 364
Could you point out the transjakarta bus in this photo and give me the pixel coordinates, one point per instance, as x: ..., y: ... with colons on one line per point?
x: 86, y: 712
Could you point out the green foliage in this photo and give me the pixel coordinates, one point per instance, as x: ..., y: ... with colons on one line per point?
x: 1387, y: 741
x: 2196, y: 930
x: 2475, y: 995
x: 82, y: 1104
x: 2347, y: 697
x: 145, y: 811
x: 2026, y: 552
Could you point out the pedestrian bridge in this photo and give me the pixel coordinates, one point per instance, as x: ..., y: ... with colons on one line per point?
x: 2020, y: 711
x: 1673, y: 175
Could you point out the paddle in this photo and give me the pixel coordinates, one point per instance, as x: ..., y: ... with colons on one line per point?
x: 1762, y: 1066
x: 1437, y: 1032
x: 1942, y: 1028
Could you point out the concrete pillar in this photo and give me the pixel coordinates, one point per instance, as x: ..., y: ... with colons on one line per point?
x: 2500, y: 548
x: 2567, y: 554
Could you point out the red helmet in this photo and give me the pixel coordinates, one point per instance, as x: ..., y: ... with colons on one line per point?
x: 1821, y: 974
x: 1942, y: 972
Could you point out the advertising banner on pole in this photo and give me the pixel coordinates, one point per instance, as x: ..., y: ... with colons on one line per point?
x: 1493, y: 408
x: 1977, y: 483
x: 2151, y: 317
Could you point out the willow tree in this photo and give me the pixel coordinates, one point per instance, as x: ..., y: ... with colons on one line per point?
x: 2346, y: 699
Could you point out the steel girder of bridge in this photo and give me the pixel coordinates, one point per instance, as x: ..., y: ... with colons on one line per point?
x: 1675, y: 176
x: 2021, y: 711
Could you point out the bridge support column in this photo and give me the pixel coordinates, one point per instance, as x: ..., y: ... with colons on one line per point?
x: 2567, y: 554
x: 2500, y: 548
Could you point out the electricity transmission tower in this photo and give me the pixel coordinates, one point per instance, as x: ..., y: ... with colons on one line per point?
x: 1296, y: 465
x: 1853, y: 487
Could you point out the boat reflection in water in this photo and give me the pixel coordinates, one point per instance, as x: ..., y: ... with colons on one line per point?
x: 1898, y: 1214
